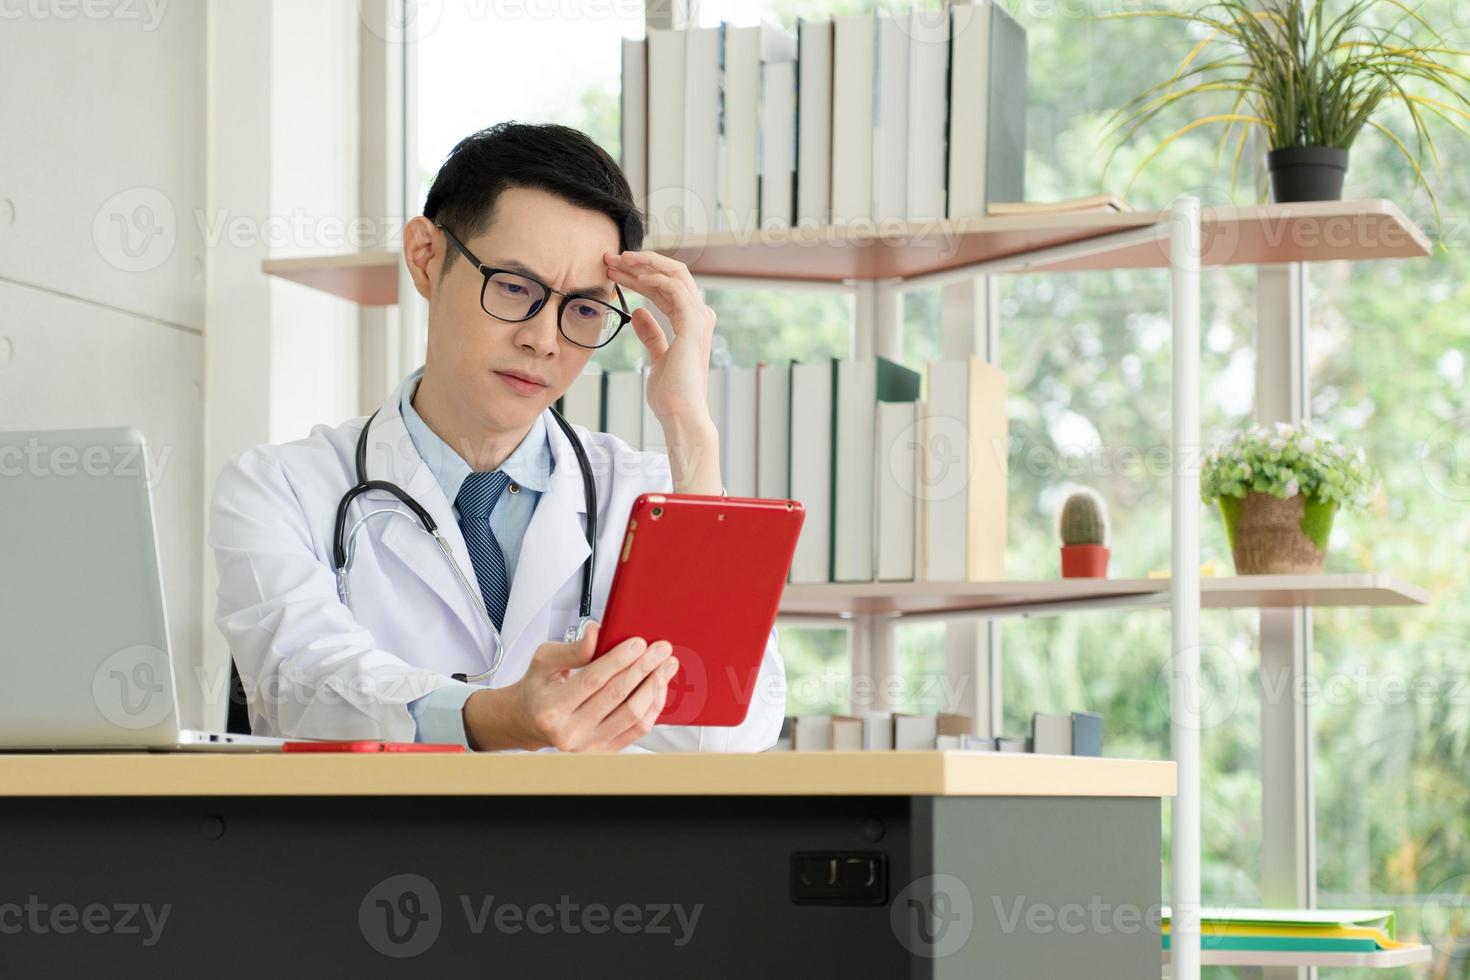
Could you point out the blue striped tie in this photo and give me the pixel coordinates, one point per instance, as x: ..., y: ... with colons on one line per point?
x: 476, y: 500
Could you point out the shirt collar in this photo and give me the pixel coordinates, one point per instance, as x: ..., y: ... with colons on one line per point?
x: 529, y: 466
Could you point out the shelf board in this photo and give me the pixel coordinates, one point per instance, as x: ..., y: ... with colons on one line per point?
x: 1313, y: 232
x: 1379, y: 960
x: 365, y: 278
x: 1057, y: 595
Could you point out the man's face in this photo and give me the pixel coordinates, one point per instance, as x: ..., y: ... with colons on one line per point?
x: 505, y: 374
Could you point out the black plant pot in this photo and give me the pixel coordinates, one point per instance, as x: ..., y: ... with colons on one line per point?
x: 1307, y: 173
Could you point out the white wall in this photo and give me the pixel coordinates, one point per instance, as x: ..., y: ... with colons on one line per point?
x: 101, y: 279
x: 149, y: 160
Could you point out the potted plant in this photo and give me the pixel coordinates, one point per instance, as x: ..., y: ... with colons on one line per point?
x: 1309, y: 81
x: 1084, y: 529
x: 1278, y: 490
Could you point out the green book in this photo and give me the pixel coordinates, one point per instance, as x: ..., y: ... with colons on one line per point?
x: 1285, y: 944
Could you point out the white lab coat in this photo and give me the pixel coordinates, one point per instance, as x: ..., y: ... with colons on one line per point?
x: 314, y: 668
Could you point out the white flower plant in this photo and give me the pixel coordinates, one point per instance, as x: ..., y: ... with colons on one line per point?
x: 1283, y: 461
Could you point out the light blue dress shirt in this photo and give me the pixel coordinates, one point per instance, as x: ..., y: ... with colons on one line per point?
x: 439, y: 715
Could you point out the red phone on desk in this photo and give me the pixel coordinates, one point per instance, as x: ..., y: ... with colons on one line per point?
x: 705, y: 574
x: 367, y: 746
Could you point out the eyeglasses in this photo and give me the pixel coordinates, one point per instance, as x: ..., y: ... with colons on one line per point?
x: 514, y: 297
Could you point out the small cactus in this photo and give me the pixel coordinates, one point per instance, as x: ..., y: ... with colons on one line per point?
x: 1084, y: 521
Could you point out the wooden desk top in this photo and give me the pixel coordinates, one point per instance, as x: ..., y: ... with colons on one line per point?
x: 551, y: 774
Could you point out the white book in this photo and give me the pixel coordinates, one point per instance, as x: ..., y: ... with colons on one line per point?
x: 634, y: 119
x: 860, y: 385
x: 666, y: 58
x: 623, y: 407
x: 964, y: 510
x: 878, y: 731
x: 814, y: 122
x: 897, y: 478
x: 773, y: 431
x: 928, y: 111
x: 891, y: 117
x: 1051, y: 734
x: 582, y: 404
x: 812, y: 733
x: 778, y: 145
x: 852, y: 118
x: 652, y: 431
x: 747, y: 50
x: 702, y: 128
x: 847, y: 733
x: 811, y: 468
x: 737, y: 439
x: 969, y: 112
x: 912, y: 732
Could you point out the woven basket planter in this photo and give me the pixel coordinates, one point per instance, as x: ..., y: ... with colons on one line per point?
x: 1271, y: 536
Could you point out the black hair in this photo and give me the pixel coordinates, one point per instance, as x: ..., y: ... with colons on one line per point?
x: 556, y: 159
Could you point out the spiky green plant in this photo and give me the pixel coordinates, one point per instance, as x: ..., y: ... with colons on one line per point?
x: 1083, y: 519
x: 1306, y: 79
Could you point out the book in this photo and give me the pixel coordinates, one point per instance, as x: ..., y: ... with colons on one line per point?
x: 912, y: 732
x: 969, y: 109
x: 1109, y: 203
x: 622, y: 406
x: 812, y: 733
x: 1051, y: 734
x: 747, y: 51
x: 1311, y: 936
x: 814, y: 122
x: 778, y: 145
x: 853, y: 37
x: 928, y: 111
x: 1005, y: 166
x: 704, y: 47
x: 896, y: 462
x: 809, y: 463
x: 634, y: 117
x: 773, y: 430
x: 738, y: 436
x: 859, y: 386
x: 666, y: 206
x: 1003, y: 744
x: 847, y: 733
x: 1087, y: 733
x: 878, y: 731
x: 582, y: 403
x: 987, y: 109
x: 890, y: 116
x: 965, y: 448
x: 1300, y: 918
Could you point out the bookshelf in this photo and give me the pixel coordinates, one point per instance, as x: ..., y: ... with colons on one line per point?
x: 1183, y: 240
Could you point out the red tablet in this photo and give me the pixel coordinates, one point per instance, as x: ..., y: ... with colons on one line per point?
x: 705, y: 574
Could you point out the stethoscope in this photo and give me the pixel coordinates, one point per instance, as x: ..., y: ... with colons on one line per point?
x: 344, y: 543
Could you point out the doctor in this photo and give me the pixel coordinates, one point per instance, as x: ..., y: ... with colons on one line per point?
x: 528, y: 239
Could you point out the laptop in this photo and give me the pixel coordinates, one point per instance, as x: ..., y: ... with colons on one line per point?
x: 85, y: 661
